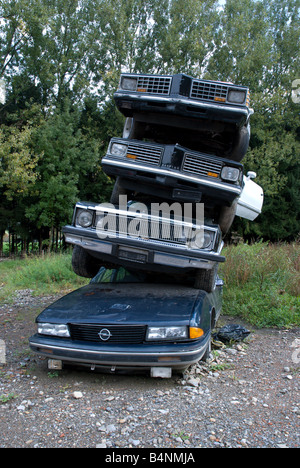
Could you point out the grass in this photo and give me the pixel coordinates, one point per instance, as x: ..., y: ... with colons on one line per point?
x: 47, y: 275
x: 262, y: 281
x: 262, y: 284
x: 6, y: 398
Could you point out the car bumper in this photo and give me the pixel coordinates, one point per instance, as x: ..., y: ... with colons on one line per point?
x: 175, y: 356
x: 154, y: 176
x: 130, y: 104
x: 142, y: 253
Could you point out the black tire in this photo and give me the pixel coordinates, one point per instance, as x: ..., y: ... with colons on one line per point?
x: 205, y: 280
x: 133, y: 129
x: 241, y: 144
x: 227, y: 216
x: 83, y: 263
x: 206, y: 355
x: 117, y: 191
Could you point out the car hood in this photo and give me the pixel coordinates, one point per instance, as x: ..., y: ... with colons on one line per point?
x: 124, y: 303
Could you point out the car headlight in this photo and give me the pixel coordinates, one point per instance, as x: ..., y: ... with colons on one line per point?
x: 167, y: 333
x: 53, y: 329
x: 204, y: 239
x: 117, y: 149
x: 231, y: 174
x: 129, y: 84
x: 84, y: 218
x: 236, y: 96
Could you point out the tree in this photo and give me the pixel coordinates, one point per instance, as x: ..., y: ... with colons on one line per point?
x: 66, y: 156
x: 20, y: 22
x: 243, y: 44
x: 184, y: 31
x: 17, y: 177
x: 284, y: 25
x: 17, y: 161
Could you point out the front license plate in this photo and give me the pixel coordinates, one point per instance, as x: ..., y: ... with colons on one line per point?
x: 133, y: 255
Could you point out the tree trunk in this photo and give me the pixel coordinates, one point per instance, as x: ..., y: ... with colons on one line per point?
x: 1, y: 242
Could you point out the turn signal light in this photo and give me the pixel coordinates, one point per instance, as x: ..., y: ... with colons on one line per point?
x: 196, y: 333
x: 131, y: 156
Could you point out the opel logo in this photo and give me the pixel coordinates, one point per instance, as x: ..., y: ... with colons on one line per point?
x: 104, y: 334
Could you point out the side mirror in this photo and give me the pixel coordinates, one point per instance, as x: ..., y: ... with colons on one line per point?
x: 251, y: 175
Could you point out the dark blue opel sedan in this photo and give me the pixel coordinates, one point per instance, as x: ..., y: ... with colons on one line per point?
x: 127, y: 321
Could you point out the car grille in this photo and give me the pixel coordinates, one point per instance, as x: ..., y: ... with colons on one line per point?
x: 144, y: 228
x: 194, y: 165
x: 144, y: 154
x: 207, y: 91
x: 131, y: 334
x: 154, y: 84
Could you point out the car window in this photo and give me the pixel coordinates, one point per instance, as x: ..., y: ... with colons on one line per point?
x: 118, y: 275
x: 121, y: 275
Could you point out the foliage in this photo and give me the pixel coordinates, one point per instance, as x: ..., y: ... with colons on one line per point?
x: 262, y: 283
x: 49, y: 274
x: 17, y: 162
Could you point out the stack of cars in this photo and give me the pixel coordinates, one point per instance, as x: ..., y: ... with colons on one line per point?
x: 181, y: 149
x: 153, y: 251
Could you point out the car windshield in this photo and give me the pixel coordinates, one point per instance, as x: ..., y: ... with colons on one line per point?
x: 118, y: 275
x: 122, y: 275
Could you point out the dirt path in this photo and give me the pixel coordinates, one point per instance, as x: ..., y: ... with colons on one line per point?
x: 247, y: 397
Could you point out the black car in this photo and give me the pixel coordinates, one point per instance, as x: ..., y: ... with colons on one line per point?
x: 129, y: 320
x: 173, y: 172
x: 203, y: 115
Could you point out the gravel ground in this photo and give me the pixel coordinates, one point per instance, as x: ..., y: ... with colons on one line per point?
x: 246, y: 396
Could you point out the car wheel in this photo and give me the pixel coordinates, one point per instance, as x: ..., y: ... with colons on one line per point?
x: 226, y: 217
x: 206, y: 355
x: 118, y: 190
x: 133, y: 129
x: 241, y: 144
x: 83, y: 263
x: 206, y: 279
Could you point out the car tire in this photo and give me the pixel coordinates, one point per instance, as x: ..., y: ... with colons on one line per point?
x: 206, y: 355
x: 117, y: 191
x: 133, y: 129
x: 227, y: 216
x: 241, y: 144
x: 83, y: 263
x: 206, y: 279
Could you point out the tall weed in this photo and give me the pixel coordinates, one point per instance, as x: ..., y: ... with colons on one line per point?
x: 262, y: 283
x: 263, y: 263
x: 49, y: 274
